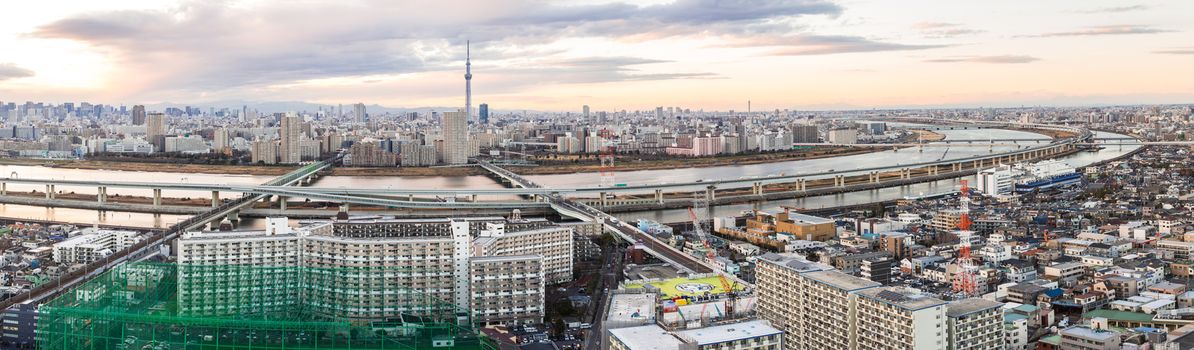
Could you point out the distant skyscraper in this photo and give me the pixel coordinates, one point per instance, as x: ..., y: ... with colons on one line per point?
x: 483, y: 113
x: 358, y: 112
x: 138, y: 115
x: 468, y: 84
x: 291, y: 131
x: 585, y: 111
x: 155, y: 130
x: 455, y: 137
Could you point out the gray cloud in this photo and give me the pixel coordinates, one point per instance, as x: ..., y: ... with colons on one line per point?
x: 834, y: 44
x: 202, y: 46
x: 599, y: 70
x: 1116, y: 9
x: 12, y: 71
x: 943, y: 30
x: 1108, y: 30
x: 1001, y: 59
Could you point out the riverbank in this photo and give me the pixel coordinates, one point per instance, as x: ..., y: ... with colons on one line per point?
x: 929, y: 136
x: 547, y: 169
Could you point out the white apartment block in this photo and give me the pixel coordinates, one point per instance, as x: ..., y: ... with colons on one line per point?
x: 506, y: 289
x: 893, y: 318
x: 93, y: 244
x: 748, y: 335
x: 813, y: 304
x: 553, y: 243
x: 375, y: 269
x: 975, y: 324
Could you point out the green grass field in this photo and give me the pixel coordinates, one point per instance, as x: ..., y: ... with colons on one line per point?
x: 696, y: 287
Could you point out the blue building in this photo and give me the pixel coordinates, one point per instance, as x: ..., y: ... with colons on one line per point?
x: 20, y: 323
x: 483, y: 113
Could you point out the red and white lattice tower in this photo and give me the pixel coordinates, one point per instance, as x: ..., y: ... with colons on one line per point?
x: 966, y: 279
x: 607, y: 158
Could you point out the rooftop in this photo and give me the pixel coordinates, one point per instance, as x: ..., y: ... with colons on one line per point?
x: 1088, y: 333
x: 968, y: 306
x: 841, y: 280
x: 902, y: 298
x: 649, y: 337
x: 793, y: 262
x: 729, y: 332
x: 638, y: 307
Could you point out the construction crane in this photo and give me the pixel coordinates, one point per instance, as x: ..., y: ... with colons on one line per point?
x: 699, y: 204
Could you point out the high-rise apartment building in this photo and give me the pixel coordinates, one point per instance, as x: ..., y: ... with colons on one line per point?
x: 378, y: 269
x: 155, y: 130
x: 264, y: 152
x: 358, y: 113
x: 455, y: 128
x: 813, y: 304
x: 138, y: 115
x: 975, y: 324
x: 802, y: 133
x: 291, y: 131
x: 220, y: 139
x: 899, y: 318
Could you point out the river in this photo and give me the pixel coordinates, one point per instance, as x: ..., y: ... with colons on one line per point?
x: 840, y: 164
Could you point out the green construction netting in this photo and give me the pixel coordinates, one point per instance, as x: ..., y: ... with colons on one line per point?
x: 153, y: 306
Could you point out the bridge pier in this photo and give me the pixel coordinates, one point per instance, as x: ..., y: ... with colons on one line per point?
x: 282, y: 203
x: 604, y: 200
x: 215, y: 199
x: 50, y: 192
x: 101, y: 194
x: 3, y: 188
x: 659, y: 196
x: 157, y: 197
x: 757, y: 189
x: 711, y: 193
x: 802, y: 185
x: 839, y: 181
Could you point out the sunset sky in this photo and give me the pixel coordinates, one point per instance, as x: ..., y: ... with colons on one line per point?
x: 559, y: 55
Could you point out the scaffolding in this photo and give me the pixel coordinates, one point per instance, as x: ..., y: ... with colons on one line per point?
x: 148, y: 306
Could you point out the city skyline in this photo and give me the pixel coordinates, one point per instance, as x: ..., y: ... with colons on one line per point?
x: 609, y: 55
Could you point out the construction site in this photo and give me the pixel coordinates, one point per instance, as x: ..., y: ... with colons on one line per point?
x: 137, y: 306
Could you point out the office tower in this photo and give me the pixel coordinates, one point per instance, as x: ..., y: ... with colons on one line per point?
x: 291, y: 132
x: 468, y: 83
x: 455, y: 128
x: 155, y: 130
x: 358, y: 112
x: 138, y: 115
x: 585, y: 111
x: 483, y: 113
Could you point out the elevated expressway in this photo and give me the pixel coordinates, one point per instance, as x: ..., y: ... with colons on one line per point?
x: 156, y: 239
x: 630, y: 197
